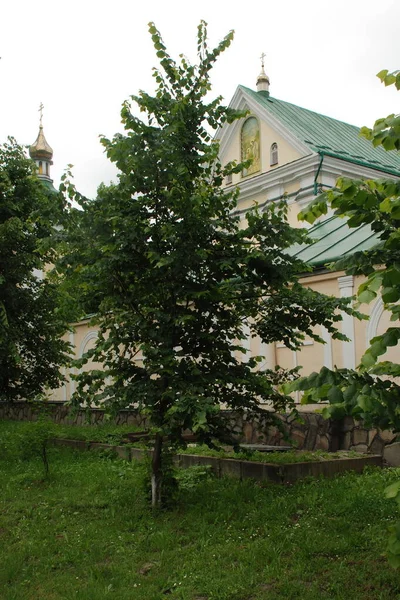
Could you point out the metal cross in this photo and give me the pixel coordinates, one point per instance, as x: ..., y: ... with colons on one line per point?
x: 41, y: 107
x: 262, y: 59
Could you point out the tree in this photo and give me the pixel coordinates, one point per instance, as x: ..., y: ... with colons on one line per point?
x: 371, y: 392
x: 31, y: 325
x: 174, y: 276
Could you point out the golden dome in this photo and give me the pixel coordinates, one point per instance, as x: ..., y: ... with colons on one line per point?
x: 40, y: 149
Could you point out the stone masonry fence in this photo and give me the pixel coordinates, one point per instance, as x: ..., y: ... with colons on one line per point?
x: 310, y: 432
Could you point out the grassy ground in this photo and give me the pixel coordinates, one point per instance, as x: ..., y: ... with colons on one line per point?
x: 87, y: 534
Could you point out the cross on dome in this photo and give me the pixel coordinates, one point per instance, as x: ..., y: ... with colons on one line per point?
x: 41, y: 107
x: 263, y: 79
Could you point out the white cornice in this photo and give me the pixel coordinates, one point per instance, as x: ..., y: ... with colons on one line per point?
x: 340, y: 167
x: 303, y: 169
x: 279, y: 176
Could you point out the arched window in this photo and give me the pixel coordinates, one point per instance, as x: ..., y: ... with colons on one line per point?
x: 274, y: 154
x: 40, y: 167
x: 47, y: 168
x: 250, y: 146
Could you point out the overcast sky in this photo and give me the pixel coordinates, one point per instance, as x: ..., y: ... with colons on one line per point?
x: 83, y: 58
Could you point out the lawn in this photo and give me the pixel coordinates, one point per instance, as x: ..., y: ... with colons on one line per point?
x: 88, y: 534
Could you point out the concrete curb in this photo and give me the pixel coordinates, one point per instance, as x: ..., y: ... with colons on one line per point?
x: 243, y: 469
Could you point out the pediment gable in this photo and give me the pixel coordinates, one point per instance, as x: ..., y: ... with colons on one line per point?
x: 271, y: 130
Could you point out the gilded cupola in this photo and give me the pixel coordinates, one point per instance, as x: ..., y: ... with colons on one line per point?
x: 40, y: 149
x: 41, y: 152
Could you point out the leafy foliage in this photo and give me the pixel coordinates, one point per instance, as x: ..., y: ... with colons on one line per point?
x: 386, y: 131
x: 174, y: 273
x: 372, y: 392
x: 31, y: 325
x: 33, y: 440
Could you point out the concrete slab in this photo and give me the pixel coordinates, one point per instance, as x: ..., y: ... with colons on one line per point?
x: 265, y: 448
x: 391, y: 454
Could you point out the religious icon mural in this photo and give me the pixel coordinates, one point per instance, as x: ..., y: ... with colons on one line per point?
x: 251, y: 145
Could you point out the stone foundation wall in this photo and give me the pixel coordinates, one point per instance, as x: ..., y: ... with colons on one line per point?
x: 62, y: 414
x: 310, y: 432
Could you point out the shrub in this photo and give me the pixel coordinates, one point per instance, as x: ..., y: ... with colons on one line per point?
x: 33, y: 440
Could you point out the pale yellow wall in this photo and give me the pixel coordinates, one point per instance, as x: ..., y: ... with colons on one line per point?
x: 377, y: 323
x: 286, y: 154
x: 260, y: 201
x: 82, y: 339
x: 251, y: 201
x: 311, y: 356
x: 327, y: 284
x: 361, y: 327
x: 292, y: 217
x: 292, y: 187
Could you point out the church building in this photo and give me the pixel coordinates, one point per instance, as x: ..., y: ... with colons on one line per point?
x: 296, y: 154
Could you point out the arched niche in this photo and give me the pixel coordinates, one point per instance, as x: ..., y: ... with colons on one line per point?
x: 273, y: 159
x: 250, y: 146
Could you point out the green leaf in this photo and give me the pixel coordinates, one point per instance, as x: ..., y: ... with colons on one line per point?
x: 389, y: 79
x: 394, y: 560
x: 375, y: 281
x: 368, y: 360
x: 390, y: 294
x: 364, y: 402
x: 335, y: 395
x: 367, y: 296
x: 391, y: 337
x: 393, y: 490
x: 382, y: 74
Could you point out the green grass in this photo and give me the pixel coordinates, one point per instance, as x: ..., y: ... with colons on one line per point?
x: 103, y: 432
x: 88, y: 534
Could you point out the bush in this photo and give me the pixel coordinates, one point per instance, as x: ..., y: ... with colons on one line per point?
x: 190, y: 478
x: 33, y: 440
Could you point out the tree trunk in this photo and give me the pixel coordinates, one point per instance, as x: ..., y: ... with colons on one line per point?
x: 156, y: 472
x: 45, y: 460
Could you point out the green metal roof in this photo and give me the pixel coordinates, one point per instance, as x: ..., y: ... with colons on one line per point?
x: 334, y: 239
x: 49, y: 184
x: 329, y: 136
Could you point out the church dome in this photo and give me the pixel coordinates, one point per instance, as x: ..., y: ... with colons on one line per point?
x: 40, y: 149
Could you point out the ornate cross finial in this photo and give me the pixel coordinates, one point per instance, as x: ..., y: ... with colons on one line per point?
x: 41, y: 107
x: 262, y: 59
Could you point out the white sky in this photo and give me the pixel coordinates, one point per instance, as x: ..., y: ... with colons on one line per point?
x: 83, y: 58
